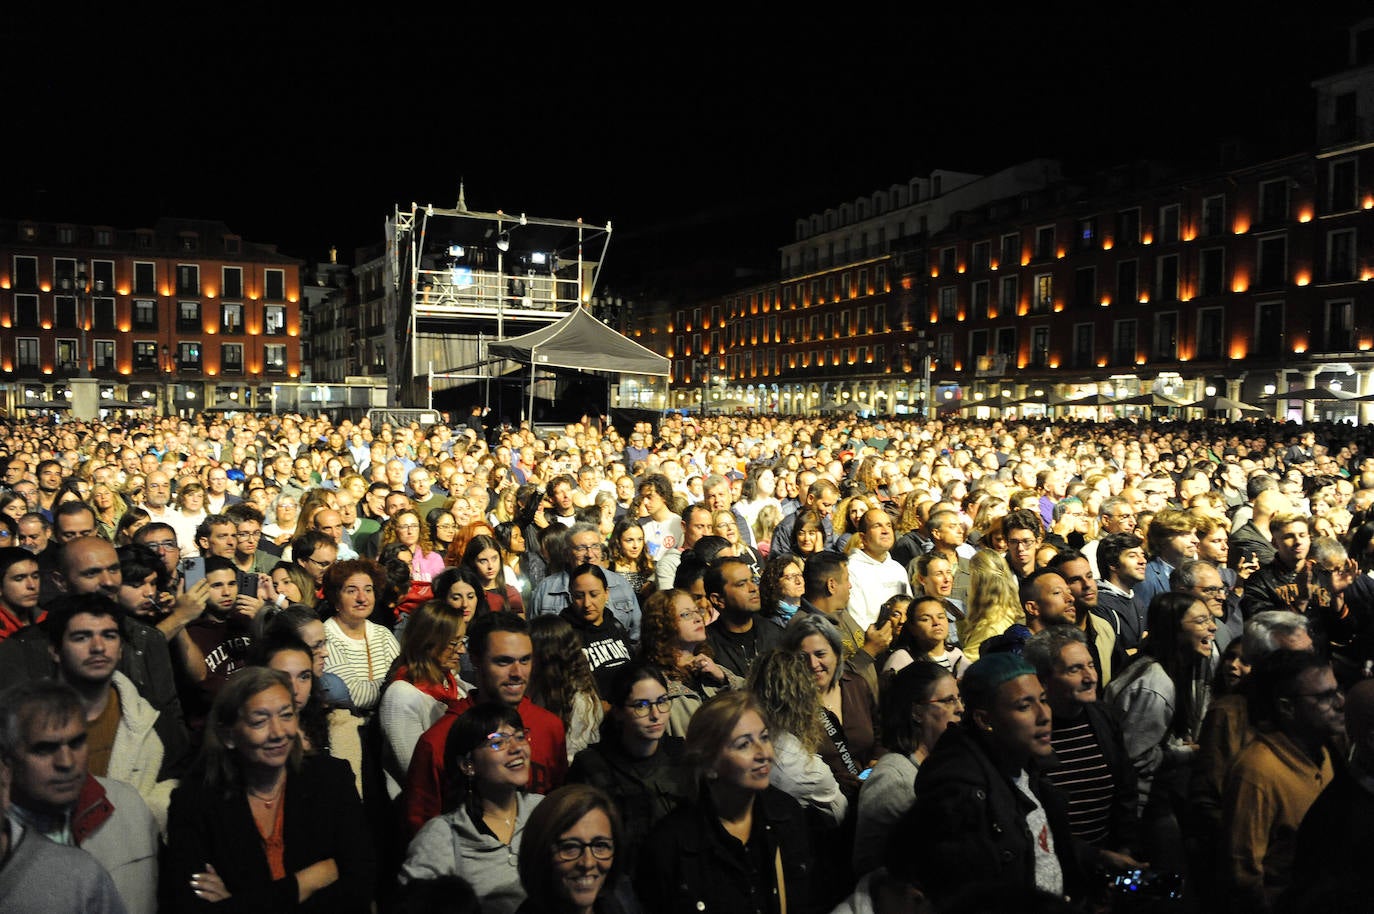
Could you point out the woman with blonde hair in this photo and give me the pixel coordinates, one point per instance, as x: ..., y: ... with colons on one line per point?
x: 848, y: 515
x: 782, y: 683
x: 109, y: 507
x: 994, y: 603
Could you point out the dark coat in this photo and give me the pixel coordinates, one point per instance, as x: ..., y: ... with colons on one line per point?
x: 689, y: 865
x: 982, y: 835
x: 644, y: 790
x: 1121, y: 827
x: 1331, y: 871
x: 323, y: 820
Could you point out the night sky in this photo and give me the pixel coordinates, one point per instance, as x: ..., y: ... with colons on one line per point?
x: 698, y: 131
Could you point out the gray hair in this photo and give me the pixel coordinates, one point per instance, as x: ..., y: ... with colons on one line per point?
x: 1263, y: 628
x: 23, y: 702
x: 1325, y: 550
x: 1044, y: 647
x: 1184, y: 577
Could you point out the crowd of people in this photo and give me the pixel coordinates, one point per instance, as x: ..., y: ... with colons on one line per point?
x: 739, y: 663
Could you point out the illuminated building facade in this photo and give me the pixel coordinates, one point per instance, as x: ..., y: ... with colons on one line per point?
x: 180, y: 316
x: 832, y: 330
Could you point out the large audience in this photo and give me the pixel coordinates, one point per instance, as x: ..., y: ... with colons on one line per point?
x: 735, y: 663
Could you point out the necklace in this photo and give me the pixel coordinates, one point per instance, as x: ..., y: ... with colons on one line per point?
x: 271, y: 797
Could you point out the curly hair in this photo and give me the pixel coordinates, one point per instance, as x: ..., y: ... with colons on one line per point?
x: 560, y: 671
x: 782, y: 683
x: 389, y: 534
x: 658, y: 633
x: 340, y: 572
x: 770, y: 582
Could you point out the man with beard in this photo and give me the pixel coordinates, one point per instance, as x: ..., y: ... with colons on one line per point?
x: 1277, y: 777
x: 1077, y: 572
x: 502, y: 656
x: 1047, y: 600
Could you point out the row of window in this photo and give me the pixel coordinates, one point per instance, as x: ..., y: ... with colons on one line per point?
x: 29, y: 315
x: 770, y: 362
x: 1272, y: 272
x: 102, y: 278
x: 104, y: 237
x: 188, y: 355
x: 1274, y: 208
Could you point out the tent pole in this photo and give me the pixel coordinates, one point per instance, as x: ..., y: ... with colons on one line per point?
x: 531, y: 412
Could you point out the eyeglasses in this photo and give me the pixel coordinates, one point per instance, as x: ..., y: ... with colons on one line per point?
x: 497, y: 741
x: 641, y: 707
x: 458, y: 643
x: 593, y: 549
x: 572, y: 849
x: 1199, y: 623
x: 1217, y: 591
x: 256, y: 534
x: 949, y: 701
x: 1325, y: 699
x: 408, y: 528
x: 688, y: 615
x: 162, y: 545
x: 316, y: 561
x: 794, y: 577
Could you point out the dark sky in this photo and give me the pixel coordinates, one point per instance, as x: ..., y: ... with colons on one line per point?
x: 697, y: 128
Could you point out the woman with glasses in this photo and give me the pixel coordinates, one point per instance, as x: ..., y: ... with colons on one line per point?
x: 637, y: 762
x: 673, y: 639
x: 412, y: 533
x: 724, y: 524
x: 479, y: 838
x: 571, y: 858
x: 780, y: 588
x: 920, y: 702
x: 423, y: 685
x: 742, y: 845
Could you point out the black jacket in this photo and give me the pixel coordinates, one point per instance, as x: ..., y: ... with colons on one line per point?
x: 1121, y: 828
x: 691, y: 864
x: 644, y: 790
x: 968, y: 826
x: 323, y: 820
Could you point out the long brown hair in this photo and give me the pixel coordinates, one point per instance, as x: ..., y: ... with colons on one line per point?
x: 658, y: 633
x: 560, y: 671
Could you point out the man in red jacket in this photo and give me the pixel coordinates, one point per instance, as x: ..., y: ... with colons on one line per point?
x: 502, y: 655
